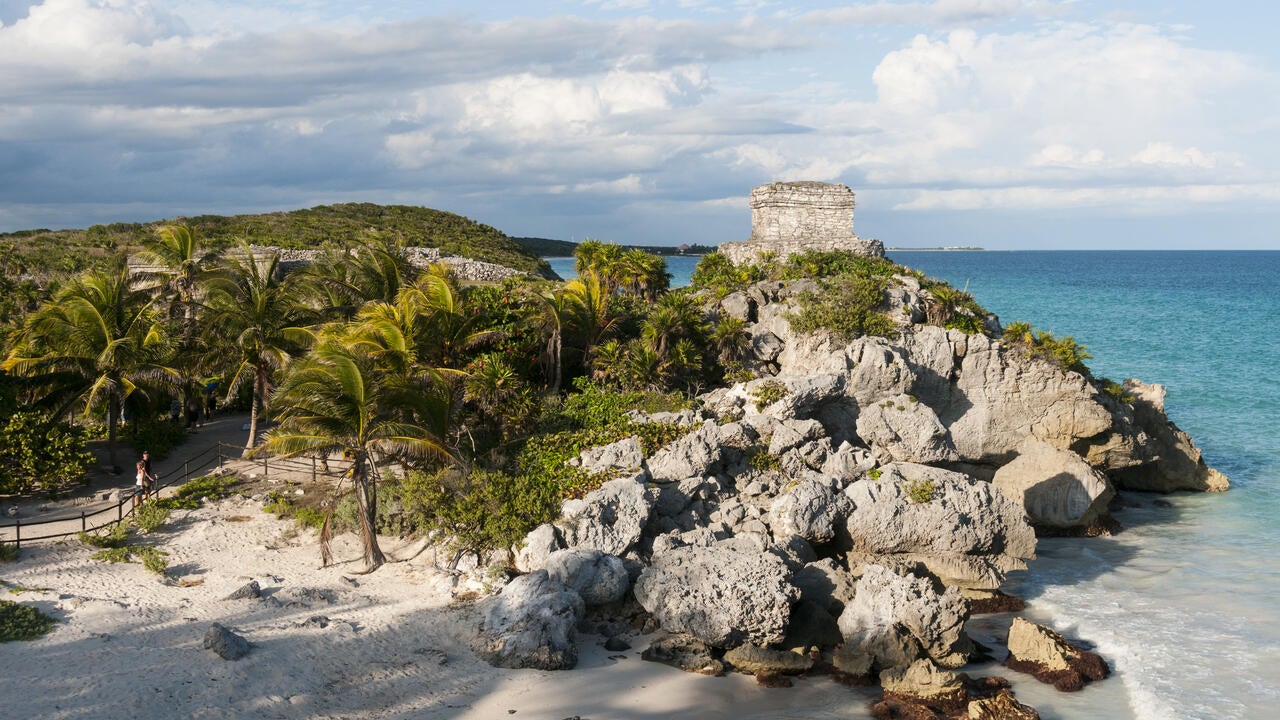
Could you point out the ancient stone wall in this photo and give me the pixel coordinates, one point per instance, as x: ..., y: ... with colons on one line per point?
x: 418, y: 257
x: 792, y: 217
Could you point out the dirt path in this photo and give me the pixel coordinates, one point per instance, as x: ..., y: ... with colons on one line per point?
x: 198, y: 455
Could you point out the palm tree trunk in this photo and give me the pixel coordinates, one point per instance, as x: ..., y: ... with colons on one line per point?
x: 258, y: 390
x: 367, y: 497
x: 557, y: 360
x: 113, y: 412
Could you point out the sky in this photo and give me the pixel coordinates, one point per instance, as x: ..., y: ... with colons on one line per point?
x: 1007, y: 124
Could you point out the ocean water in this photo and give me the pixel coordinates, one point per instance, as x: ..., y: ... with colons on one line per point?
x: 1185, y: 602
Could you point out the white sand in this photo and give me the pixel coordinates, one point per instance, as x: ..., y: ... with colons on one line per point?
x: 128, y: 643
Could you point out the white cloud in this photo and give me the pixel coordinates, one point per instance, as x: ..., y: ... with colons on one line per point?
x: 939, y: 12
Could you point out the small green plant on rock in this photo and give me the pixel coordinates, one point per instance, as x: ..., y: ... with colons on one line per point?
x: 768, y: 393
x: 22, y: 622
x: 875, y: 473
x: 759, y: 457
x: 1115, y: 390
x: 920, y: 491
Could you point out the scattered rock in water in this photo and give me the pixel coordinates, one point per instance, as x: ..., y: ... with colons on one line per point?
x: 987, y: 603
x: 228, y: 645
x: 1049, y: 658
x: 1001, y: 706
x: 249, y: 591
x: 531, y: 625
x: 754, y: 660
x: 923, y: 683
x: 684, y: 651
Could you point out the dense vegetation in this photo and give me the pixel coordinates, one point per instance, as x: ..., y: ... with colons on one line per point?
x: 456, y: 407
x: 46, y: 253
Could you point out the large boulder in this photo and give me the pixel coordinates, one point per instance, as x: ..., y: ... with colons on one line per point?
x: 623, y: 456
x: 537, y: 547
x: 610, y: 519
x: 1181, y: 465
x: 897, y: 619
x: 810, y: 508
x: 900, y: 428
x: 965, y: 531
x: 1048, y: 657
x: 697, y: 454
x: 1057, y: 488
x: 531, y: 624
x: 723, y: 594
x: 597, y: 577
x: 826, y: 583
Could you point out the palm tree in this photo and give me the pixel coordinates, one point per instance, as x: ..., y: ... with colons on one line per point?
x: 339, y: 399
x: 730, y: 339
x: 178, y: 264
x: 454, y: 327
x: 555, y: 313
x: 265, y: 319
x: 97, y: 342
x: 593, y: 321
x: 675, y: 317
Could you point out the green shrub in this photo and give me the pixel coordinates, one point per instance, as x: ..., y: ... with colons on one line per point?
x: 158, y: 437
x: 116, y: 536
x: 768, y: 393
x: 760, y: 458
x: 483, y: 510
x: 188, y: 496
x: 920, y: 491
x: 22, y: 622
x: 592, y: 405
x: 847, y: 307
x: 150, y: 515
x: 112, y: 555
x: 835, y: 263
x: 875, y: 473
x: 1114, y: 390
x: 8, y: 551
x: 716, y: 273
x: 153, y: 559
x: 36, y: 453
x: 1064, y: 352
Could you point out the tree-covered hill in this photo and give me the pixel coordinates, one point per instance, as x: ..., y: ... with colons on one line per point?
x: 53, y: 252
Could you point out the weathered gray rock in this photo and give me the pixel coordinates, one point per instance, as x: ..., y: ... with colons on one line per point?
x: 847, y: 463
x: 228, y: 645
x: 680, y: 418
x: 804, y: 394
x: 810, y: 508
x: 538, y: 545
x: 812, y: 626
x: 926, y: 683
x: 956, y: 525
x: 852, y: 661
x: 531, y: 624
x: 789, y: 434
x: 720, y: 594
x: 1057, y: 488
x: 825, y: 583
x: 752, y: 659
x: 738, y: 306
x: 897, y: 619
x: 597, y: 577
x: 609, y: 519
x: 1048, y: 656
x: 684, y: 651
x: 248, y: 591
x: 900, y: 428
x: 1181, y: 465
x: 697, y: 454
x: 622, y: 456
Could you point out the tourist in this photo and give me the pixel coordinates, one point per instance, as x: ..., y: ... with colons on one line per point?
x: 149, y: 474
x: 140, y: 484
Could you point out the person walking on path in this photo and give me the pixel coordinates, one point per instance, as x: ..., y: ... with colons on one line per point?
x: 149, y: 474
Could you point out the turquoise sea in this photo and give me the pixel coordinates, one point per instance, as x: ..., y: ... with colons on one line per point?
x: 1185, y: 602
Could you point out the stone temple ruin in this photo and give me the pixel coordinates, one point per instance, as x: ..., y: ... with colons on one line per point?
x: 794, y: 217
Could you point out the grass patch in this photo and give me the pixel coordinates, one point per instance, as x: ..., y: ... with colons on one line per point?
x: 153, y: 559
x: 768, y: 393
x: 117, y: 536
x: 22, y: 622
x: 1064, y: 352
x: 150, y: 516
x: 8, y: 551
x: 759, y: 457
x: 189, y: 495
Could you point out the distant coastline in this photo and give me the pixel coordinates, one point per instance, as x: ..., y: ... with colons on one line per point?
x: 946, y: 248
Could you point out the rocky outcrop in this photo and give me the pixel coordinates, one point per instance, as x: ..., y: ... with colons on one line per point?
x: 610, y: 519
x: 810, y: 508
x: 623, y: 456
x: 531, y: 624
x: 721, y: 594
x: 1001, y: 706
x: 596, y: 577
x: 924, y: 683
x: 695, y: 455
x: 900, y: 428
x: 1057, y: 488
x: 897, y: 619
x: 537, y: 547
x: 1180, y: 465
x: 965, y: 531
x: 1046, y: 655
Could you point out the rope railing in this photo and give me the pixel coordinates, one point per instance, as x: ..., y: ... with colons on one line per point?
x: 214, y: 456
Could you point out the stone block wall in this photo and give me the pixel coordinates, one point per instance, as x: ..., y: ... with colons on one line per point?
x: 792, y: 217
